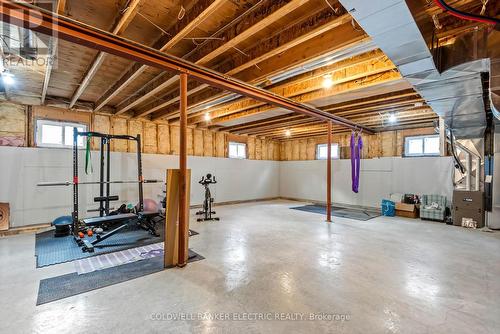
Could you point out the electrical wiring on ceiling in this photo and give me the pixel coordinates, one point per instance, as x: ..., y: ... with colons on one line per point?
x: 467, y: 16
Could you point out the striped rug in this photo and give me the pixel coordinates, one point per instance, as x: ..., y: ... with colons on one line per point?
x: 90, y: 264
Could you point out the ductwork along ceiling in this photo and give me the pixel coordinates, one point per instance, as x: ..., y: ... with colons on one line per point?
x: 455, y: 94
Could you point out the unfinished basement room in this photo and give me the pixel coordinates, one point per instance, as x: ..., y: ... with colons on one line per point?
x: 250, y: 166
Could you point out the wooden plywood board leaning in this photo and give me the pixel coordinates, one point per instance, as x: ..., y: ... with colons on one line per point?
x: 172, y: 218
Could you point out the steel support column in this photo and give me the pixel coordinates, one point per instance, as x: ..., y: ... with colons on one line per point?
x: 329, y: 175
x: 183, y: 210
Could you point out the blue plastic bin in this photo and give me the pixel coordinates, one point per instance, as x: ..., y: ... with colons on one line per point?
x: 388, y: 208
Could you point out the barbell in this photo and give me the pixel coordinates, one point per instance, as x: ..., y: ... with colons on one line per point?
x: 70, y: 183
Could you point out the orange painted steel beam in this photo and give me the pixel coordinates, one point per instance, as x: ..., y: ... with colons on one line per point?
x: 36, y: 19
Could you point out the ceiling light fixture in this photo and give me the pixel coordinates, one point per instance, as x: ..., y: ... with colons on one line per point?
x: 8, y: 78
x: 288, y: 133
x: 207, y: 117
x: 327, y: 81
x: 393, y: 118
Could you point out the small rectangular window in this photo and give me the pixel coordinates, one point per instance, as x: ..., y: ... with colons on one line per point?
x: 322, y: 151
x: 237, y: 150
x: 57, y: 134
x: 421, y: 146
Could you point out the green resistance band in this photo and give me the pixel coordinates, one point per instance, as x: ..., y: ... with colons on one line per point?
x: 88, y: 157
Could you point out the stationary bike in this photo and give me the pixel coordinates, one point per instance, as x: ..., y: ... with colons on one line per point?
x: 207, y: 203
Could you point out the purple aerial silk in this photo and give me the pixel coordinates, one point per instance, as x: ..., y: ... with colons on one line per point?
x: 356, y: 150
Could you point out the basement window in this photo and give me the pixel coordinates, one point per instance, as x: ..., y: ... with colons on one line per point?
x: 237, y: 150
x: 322, y: 151
x: 57, y: 134
x: 422, y: 146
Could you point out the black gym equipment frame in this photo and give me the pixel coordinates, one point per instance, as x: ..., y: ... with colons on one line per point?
x: 144, y: 218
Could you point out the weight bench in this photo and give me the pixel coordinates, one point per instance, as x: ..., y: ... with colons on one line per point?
x: 146, y: 221
x: 88, y: 246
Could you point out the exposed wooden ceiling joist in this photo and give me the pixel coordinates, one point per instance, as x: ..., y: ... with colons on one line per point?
x: 125, y: 19
x: 255, y: 61
x: 312, y: 81
x: 345, y: 36
x: 208, y: 59
x: 60, y: 8
x: 321, y: 130
x: 384, y: 77
x: 297, y: 85
x: 77, y: 32
x: 179, y: 32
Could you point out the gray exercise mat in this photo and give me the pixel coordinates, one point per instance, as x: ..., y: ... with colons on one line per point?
x: 352, y: 213
x: 50, y: 250
x: 56, y: 288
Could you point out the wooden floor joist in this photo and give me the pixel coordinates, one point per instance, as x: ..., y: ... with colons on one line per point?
x: 206, y: 60
x: 122, y: 24
x: 60, y: 8
x: 138, y: 69
x: 341, y: 72
x: 384, y: 77
x: 292, y: 59
x: 85, y: 35
x: 253, y: 62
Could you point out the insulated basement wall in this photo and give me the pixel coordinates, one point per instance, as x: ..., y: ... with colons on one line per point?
x: 382, y: 144
x: 23, y: 168
x: 17, y: 128
x: 12, y: 125
x: 379, y: 178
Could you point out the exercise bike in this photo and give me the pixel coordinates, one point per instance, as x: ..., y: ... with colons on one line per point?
x: 207, y: 203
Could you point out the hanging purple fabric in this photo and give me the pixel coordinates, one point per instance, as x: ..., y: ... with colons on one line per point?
x: 356, y: 161
x: 353, y: 160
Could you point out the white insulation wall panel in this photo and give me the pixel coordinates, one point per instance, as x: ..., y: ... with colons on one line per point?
x: 379, y: 178
x: 238, y: 180
x: 23, y: 168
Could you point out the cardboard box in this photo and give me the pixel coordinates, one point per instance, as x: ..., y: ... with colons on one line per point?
x: 407, y: 210
x: 4, y: 216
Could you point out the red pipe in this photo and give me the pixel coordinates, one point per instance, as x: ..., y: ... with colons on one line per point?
x: 472, y: 17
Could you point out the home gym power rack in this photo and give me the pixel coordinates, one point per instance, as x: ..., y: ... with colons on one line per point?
x: 104, y: 198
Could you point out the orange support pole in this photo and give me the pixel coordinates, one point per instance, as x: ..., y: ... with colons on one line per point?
x: 183, y: 210
x: 329, y: 175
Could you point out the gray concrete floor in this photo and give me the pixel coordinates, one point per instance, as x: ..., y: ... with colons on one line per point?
x: 388, y: 275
